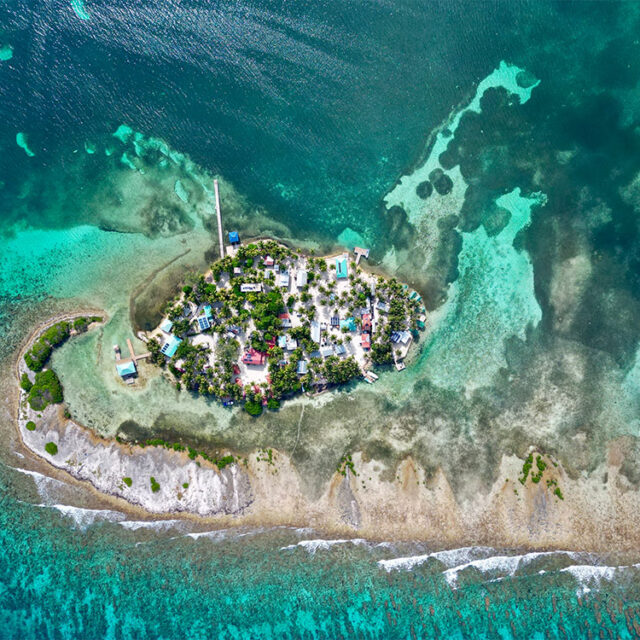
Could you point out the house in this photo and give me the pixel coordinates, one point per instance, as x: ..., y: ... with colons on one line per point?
x: 315, y: 331
x: 335, y: 321
x: 166, y: 325
x: 349, y: 324
x: 251, y: 287
x: 126, y: 368
x: 253, y: 357
x: 237, y: 271
x: 282, y: 342
x: 405, y: 337
x: 203, y: 323
x: 285, y: 320
x: 292, y: 343
x: 365, y: 341
x: 325, y: 352
x: 170, y: 346
x: 383, y: 306
x: 269, y: 261
x: 339, y: 349
x: 366, y: 322
x: 207, y: 311
x: 421, y: 321
x: 301, y: 278
x: 341, y: 267
x: 283, y: 279
x: 234, y: 238
x: 315, y: 354
x: 302, y: 367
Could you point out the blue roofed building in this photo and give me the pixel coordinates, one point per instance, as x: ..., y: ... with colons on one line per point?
x: 207, y: 311
x: 170, y: 346
x: 341, y: 267
x: 302, y: 367
x: 349, y: 324
x: 234, y: 238
x: 203, y: 323
x: 166, y: 325
x: 126, y: 368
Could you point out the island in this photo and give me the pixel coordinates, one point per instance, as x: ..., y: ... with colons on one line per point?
x: 266, y: 323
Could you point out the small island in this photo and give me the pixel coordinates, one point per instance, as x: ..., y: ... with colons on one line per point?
x: 266, y: 323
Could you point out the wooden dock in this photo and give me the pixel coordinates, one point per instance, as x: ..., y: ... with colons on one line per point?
x: 135, y: 357
x: 219, y: 215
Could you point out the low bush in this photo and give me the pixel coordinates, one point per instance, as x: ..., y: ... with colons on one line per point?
x: 128, y: 481
x: 51, y: 448
x: 25, y: 383
x: 30, y: 426
x: 46, y: 390
x: 155, y: 486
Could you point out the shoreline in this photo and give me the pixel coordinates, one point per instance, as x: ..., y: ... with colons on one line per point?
x: 410, y: 507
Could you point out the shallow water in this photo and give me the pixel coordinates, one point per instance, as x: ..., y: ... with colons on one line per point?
x: 117, y: 117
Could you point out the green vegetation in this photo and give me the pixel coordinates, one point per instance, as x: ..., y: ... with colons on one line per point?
x: 30, y: 426
x: 346, y: 463
x: 253, y: 407
x: 46, y: 390
x: 155, y: 486
x: 37, y: 357
x: 558, y: 493
x: 51, y: 448
x: 526, y: 467
x: 25, y: 383
x: 185, y: 485
x: 128, y: 481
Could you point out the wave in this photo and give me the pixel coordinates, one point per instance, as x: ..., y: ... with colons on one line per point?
x: 449, y: 557
x: 589, y: 575
x: 157, y: 525
x: 83, y: 517
x: 314, y: 545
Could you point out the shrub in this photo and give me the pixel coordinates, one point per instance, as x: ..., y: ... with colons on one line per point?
x: 51, y: 448
x: 185, y: 485
x: 81, y: 324
x: 224, y: 461
x: 128, y: 481
x: 273, y: 404
x: 155, y: 486
x: 46, y: 390
x: 57, y: 334
x: 253, y: 407
x: 31, y: 425
x: 25, y: 383
x: 38, y: 356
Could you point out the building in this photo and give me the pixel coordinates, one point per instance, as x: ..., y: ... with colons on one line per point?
x: 253, y: 357
x: 269, y: 261
x: 203, y: 323
x: 283, y: 280
x: 166, y: 325
x: 282, y: 342
x: 302, y: 367
x: 251, y: 287
x: 234, y: 238
x: 335, y: 321
x: 315, y: 354
x: 237, y: 271
x: 383, y: 306
x: 292, y: 343
x: 421, y: 321
x: 301, y: 278
x: 170, y: 346
x: 339, y: 349
x: 325, y: 352
x: 366, y: 322
x: 342, y: 267
x: 126, y: 368
x: 365, y: 341
x: 285, y: 321
x: 315, y: 331
x: 207, y: 311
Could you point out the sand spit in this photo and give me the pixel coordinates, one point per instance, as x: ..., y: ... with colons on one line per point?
x: 599, y: 512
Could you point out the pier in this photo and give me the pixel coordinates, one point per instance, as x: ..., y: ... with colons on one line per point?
x: 219, y: 215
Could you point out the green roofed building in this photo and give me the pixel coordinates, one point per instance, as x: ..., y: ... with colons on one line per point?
x: 341, y: 267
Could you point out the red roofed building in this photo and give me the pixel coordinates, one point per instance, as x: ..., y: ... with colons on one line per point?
x: 366, y: 322
x: 365, y: 341
x: 253, y: 357
x: 268, y: 261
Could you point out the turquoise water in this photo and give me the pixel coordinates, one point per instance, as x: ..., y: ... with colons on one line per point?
x: 321, y: 122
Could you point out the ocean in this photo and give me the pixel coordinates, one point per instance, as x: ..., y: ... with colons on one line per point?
x: 328, y: 124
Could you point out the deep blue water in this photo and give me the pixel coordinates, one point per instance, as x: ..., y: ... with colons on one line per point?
x: 313, y: 111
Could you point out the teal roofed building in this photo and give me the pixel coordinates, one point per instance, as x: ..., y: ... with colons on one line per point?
x: 126, y: 368
x: 166, y: 325
x: 170, y: 346
x: 341, y: 267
